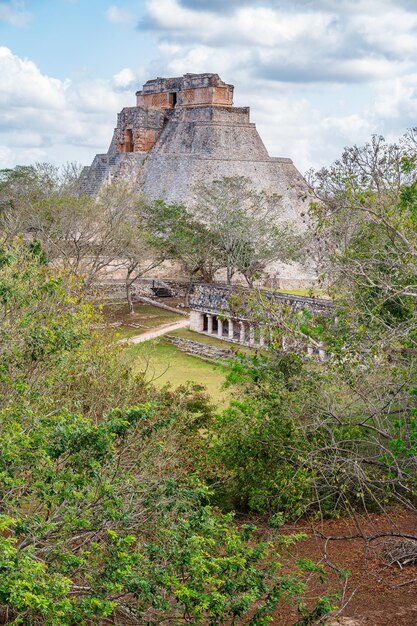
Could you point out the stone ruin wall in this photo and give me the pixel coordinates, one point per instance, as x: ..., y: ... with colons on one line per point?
x: 214, y: 313
x: 201, y: 350
x: 220, y: 114
x: 142, y: 288
x: 216, y: 299
x: 211, y: 96
x: 188, y: 90
x: 138, y: 128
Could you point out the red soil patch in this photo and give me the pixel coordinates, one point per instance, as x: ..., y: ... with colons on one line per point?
x: 376, y: 594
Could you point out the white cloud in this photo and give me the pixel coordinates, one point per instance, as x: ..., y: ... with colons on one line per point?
x: 6, y: 159
x: 178, y: 59
x: 292, y: 126
x: 14, y: 13
x: 124, y: 78
x: 25, y: 139
x: 118, y: 15
x: 22, y: 84
x: 23, y: 156
x: 170, y: 14
x: 349, y: 41
x: 391, y: 31
x: 260, y: 25
x: 396, y: 103
x: 44, y: 118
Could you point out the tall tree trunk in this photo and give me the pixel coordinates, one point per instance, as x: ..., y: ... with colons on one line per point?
x: 249, y: 280
x: 129, y: 293
x: 229, y: 275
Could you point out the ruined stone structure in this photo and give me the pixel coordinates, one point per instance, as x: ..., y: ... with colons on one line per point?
x: 185, y: 130
x: 212, y: 313
x: 201, y: 350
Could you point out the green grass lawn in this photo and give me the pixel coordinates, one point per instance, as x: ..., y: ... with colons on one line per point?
x: 144, y: 318
x: 162, y: 363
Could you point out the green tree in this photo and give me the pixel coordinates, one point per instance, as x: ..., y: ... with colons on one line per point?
x: 42, y: 318
x: 86, y: 236
x: 262, y: 441
x: 181, y: 237
x: 246, y: 227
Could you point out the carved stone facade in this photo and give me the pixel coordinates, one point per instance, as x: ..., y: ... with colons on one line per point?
x: 187, y: 90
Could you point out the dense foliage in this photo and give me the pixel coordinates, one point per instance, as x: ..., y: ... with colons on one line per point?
x: 102, y: 514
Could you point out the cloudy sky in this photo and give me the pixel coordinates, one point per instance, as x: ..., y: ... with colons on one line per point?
x: 317, y: 74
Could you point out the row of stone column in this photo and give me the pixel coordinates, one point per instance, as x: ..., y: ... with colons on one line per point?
x: 243, y: 332
x: 235, y: 330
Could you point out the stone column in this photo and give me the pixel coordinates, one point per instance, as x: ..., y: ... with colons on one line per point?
x: 242, y: 332
x: 251, y: 335
x: 219, y: 327
x: 261, y: 337
x: 231, y: 329
x: 322, y: 354
x: 209, y: 324
x: 310, y: 350
x: 197, y: 321
x: 284, y: 343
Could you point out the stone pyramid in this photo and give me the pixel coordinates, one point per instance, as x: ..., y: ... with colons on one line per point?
x: 186, y: 130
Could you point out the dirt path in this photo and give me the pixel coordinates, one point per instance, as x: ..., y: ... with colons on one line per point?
x: 157, y: 332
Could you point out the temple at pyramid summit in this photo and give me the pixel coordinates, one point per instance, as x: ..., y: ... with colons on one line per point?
x: 185, y: 130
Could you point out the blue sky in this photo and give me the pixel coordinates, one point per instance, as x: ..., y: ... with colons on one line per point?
x: 317, y: 74
x: 78, y: 38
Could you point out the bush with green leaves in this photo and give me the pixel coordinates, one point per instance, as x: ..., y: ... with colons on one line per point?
x: 101, y: 515
x: 304, y: 438
x: 260, y: 439
x: 87, y: 532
